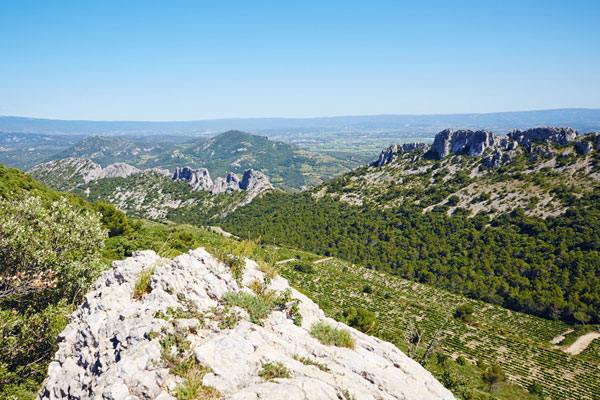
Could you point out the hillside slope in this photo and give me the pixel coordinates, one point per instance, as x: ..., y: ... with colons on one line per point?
x: 522, y: 233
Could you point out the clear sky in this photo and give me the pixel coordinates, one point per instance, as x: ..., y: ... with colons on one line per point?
x: 185, y: 60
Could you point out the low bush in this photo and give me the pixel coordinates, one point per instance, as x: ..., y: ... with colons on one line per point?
x: 331, y: 336
x: 272, y: 371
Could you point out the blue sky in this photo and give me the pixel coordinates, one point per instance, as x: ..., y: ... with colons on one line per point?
x: 185, y: 60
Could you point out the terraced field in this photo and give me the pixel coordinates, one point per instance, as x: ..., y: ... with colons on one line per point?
x: 518, y: 342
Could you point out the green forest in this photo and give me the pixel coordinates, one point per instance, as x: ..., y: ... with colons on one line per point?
x: 546, y: 267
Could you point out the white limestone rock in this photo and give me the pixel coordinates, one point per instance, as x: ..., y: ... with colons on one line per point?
x: 108, y: 352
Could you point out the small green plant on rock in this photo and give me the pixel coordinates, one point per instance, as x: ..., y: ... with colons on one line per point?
x: 272, y: 371
x: 142, y: 284
x: 331, y: 336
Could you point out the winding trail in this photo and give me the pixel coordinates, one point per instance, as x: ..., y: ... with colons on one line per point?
x: 559, y: 338
x: 285, y: 261
x: 582, y: 343
x: 322, y: 260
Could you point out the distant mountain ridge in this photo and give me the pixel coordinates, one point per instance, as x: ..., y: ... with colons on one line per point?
x: 579, y: 118
x: 288, y: 167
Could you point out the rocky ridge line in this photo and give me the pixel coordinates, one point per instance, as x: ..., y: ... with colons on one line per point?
x: 112, y: 347
x: 497, y: 150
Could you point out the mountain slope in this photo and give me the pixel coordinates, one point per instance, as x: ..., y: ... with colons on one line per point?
x: 524, y: 234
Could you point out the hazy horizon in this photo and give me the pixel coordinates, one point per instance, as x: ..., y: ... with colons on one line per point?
x: 188, y: 61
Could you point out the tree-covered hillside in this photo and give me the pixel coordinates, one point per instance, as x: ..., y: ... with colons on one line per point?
x: 525, y: 236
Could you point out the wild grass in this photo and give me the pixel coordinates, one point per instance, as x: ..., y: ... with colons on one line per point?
x: 331, y: 336
x: 258, y: 308
x: 142, y: 284
x: 272, y: 371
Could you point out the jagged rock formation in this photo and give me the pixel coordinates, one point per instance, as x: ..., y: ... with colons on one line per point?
x: 112, y: 347
x: 253, y: 182
x: 561, y: 135
x: 229, y: 184
x: 198, y: 179
x: 584, y: 147
x: 467, y: 142
x: 387, y: 155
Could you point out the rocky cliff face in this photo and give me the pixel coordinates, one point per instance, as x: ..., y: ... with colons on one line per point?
x: 198, y: 179
x: 120, y: 347
x: 387, y: 155
x: 253, y: 182
x: 467, y: 142
x: 496, y: 150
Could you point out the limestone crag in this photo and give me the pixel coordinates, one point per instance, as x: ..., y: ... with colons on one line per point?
x: 561, y: 135
x: 198, y: 179
x: 253, y: 182
x: 467, y: 142
x: 112, y: 347
x: 228, y: 184
x: 387, y: 155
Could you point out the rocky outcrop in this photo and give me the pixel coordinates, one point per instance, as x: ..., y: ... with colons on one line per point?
x: 387, y: 155
x: 560, y: 135
x: 198, y: 179
x: 253, y: 182
x: 116, y: 170
x: 112, y: 347
x: 230, y: 184
x: 467, y: 142
x: 69, y: 173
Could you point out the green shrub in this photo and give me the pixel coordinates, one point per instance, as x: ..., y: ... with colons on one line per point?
x: 331, y: 336
x: 304, y: 267
x: 361, y: 319
x: 272, y: 371
x: 464, y: 312
x: 258, y: 308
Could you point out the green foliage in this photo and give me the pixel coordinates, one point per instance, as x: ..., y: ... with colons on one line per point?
x: 536, y: 389
x: 50, y: 247
x: 361, y: 319
x: 557, y: 276
x: 272, y: 371
x: 304, y: 267
x: 258, y: 308
x: 493, y: 374
x: 464, y: 312
x: 112, y: 219
x: 53, y: 249
x: 142, y: 284
x: 308, y: 361
x: 331, y: 336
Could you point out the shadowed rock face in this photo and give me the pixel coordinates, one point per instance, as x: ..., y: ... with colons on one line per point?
x: 111, y: 349
x: 562, y: 135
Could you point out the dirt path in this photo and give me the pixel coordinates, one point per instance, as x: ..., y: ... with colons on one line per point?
x: 324, y: 259
x: 285, y: 261
x: 559, y: 338
x: 582, y: 343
